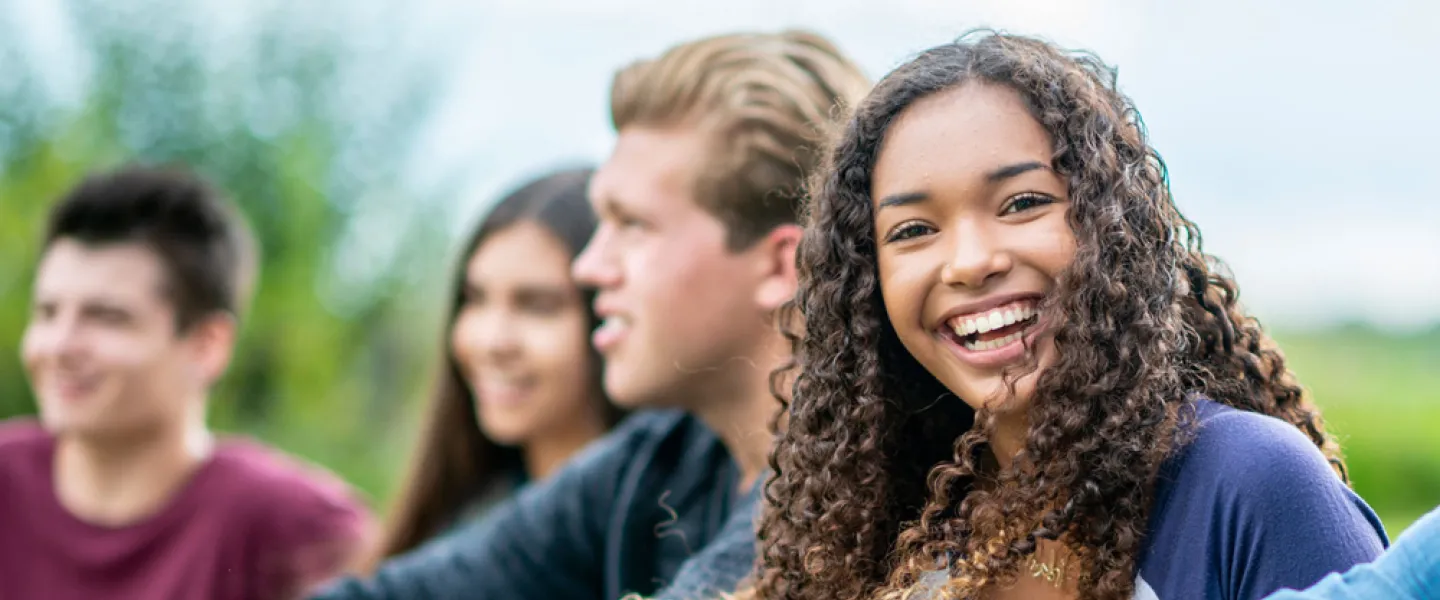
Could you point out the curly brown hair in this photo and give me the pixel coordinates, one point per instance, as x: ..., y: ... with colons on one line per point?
x: 874, y: 471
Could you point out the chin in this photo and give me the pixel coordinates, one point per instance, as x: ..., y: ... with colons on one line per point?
x: 506, y: 434
x: 634, y: 391
x: 1002, y: 402
x: 69, y: 424
x: 622, y: 387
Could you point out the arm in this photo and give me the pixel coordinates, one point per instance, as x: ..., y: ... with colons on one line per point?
x: 1410, y: 570
x: 310, y: 544
x: 546, y: 542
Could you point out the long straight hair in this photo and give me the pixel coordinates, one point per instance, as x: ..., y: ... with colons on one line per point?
x: 454, y: 461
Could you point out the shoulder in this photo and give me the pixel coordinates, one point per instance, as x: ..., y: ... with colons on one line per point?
x: 306, y: 524
x: 654, y: 423
x: 723, y: 563
x: 24, y: 444
x: 1245, y: 454
x: 1262, y: 477
x: 1249, y: 505
x: 286, y: 496
x: 637, y: 438
x: 22, y: 433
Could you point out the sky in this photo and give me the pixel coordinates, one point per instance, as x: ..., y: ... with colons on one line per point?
x: 1300, y: 136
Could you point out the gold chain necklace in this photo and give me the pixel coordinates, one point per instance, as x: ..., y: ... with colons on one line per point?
x: 1052, y: 573
x: 1057, y: 572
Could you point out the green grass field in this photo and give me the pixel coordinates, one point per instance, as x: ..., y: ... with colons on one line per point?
x: 1381, y: 397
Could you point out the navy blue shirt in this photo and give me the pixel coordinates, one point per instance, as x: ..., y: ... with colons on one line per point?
x: 1250, y: 506
x: 1409, y: 570
x: 1246, y: 507
x: 651, y: 508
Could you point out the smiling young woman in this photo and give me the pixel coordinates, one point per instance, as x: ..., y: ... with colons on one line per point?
x: 519, y: 389
x: 1020, y: 374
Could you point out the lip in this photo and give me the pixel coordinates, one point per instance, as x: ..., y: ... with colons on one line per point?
x: 995, y: 357
x: 70, y: 390
x: 604, y: 338
x: 982, y: 305
x: 604, y: 307
x: 506, y: 394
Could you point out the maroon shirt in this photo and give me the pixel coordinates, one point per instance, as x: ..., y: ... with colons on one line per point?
x: 251, y: 524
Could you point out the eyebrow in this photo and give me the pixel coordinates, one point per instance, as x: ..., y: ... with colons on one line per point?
x: 1000, y: 174
x: 902, y: 199
x: 1009, y: 171
x: 611, y: 205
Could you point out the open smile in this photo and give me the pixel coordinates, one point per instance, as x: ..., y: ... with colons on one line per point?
x: 994, y: 336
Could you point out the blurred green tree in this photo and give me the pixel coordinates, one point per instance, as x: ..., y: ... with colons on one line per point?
x: 285, y: 118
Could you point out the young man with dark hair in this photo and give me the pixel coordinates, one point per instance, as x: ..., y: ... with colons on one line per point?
x: 694, y: 256
x: 119, y: 490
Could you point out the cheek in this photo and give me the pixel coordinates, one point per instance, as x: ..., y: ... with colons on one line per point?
x: 559, y: 352
x: 1054, y: 248
x: 32, y: 347
x: 676, y: 281
x: 560, y: 343
x: 124, y: 352
x: 903, y: 288
x: 655, y: 268
x: 462, y: 336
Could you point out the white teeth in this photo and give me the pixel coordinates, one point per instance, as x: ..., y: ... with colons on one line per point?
x: 978, y: 346
x: 995, y: 319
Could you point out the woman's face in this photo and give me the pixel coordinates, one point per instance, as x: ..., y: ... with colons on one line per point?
x: 970, y: 225
x: 521, y: 338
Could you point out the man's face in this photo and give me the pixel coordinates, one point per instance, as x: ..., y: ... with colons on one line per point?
x: 677, y: 305
x: 101, y: 348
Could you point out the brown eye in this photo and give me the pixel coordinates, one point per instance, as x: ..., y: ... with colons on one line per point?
x: 907, y: 231
x: 541, y: 301
x: 472, y: 296
x: 1025, y: 202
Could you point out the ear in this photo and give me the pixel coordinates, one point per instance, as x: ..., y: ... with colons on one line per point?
x: 776, y: 254
x: 212, y: 342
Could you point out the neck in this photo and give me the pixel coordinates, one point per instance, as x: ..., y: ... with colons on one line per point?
x: 740, y: 410
x: 1007, y: 438
x: 545, y: 454
x: 120, y: 481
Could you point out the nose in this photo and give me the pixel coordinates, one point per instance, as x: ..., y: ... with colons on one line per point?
x: 52, y: 336
x: 977, y: 258
x: 595, y: 265
x: 496, y: 334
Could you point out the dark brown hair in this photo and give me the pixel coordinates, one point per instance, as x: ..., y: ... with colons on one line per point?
x: 454, y: 461
x: 205, y: 246
x: 768, y: 100
x: 872, y: 476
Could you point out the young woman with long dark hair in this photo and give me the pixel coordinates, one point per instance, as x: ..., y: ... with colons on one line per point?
x: 520, y: 389
x: 1021, y: 376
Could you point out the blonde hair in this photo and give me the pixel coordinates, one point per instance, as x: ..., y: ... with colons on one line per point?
x: 769, y: 102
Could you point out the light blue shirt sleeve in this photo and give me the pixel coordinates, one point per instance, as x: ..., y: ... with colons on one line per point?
x: 1409, y: 570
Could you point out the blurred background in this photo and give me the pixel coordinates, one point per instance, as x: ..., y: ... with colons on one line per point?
x: 362, y: 136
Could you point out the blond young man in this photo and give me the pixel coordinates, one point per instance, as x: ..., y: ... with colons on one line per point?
x: 694, y: 255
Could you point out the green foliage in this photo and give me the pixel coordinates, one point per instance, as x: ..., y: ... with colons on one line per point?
x: 1381, y: 397
x: 327, y: 364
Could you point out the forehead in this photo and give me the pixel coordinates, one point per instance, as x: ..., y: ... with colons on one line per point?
x: 956, y: 136
x: 652, y: 168
x: 522, y: 254
x: 126, y: 272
